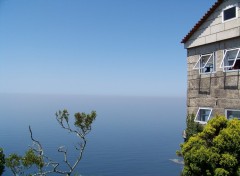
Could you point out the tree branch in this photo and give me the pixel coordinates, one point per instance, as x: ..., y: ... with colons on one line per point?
x: 36, y: 156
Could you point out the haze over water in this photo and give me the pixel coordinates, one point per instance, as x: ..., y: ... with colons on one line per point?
x: 131, y: 135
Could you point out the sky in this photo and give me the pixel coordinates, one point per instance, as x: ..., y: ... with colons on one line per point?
x: 96, y: 47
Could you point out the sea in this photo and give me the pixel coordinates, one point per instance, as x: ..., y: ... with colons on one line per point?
x: 131, y: 136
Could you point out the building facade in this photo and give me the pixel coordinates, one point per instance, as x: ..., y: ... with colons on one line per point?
x: 213, y: 58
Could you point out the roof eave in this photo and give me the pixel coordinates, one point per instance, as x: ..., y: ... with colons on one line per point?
x: 201, y: 21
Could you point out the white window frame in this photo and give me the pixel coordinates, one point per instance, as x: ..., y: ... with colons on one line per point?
x: 231, y: 6
x: 197, y: 66
x: 229, y: 66
x: 230, y: 110
x: 201, y: 108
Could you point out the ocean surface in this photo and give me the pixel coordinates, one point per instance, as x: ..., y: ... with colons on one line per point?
x: 132, y: 136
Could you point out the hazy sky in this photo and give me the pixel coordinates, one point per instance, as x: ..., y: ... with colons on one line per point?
x: 96, y: 47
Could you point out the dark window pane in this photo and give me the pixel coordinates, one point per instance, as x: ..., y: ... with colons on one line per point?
x: 233, y: 114
x: 229, y: 13
x: 203, y: 115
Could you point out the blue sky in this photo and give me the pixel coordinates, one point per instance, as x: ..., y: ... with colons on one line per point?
x: 96, y: 47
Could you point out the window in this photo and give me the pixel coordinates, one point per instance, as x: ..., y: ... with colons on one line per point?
x: 229, y: 13
x: 231, y: 60
x: 205, y: 63
x: 231, y: 113
x: 203, y: 115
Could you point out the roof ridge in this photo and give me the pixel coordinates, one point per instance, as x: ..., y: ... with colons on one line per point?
x: 202, y: 20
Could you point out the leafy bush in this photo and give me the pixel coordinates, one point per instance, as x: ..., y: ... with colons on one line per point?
x: 2, y: 161
x: 192, y: 127
x: 214, y: 151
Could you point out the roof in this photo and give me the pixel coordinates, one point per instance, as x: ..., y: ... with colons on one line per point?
x: 201, y: 21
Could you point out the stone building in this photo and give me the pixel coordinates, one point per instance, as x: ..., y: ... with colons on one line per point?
x: 213, y: 58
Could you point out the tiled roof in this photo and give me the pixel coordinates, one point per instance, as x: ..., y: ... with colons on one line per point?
x: 201, y: 21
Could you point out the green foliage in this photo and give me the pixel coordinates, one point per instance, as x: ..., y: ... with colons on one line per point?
x: 31, y: 159
x: 62, y: 116
x: 84, y: 121
x: 17, y: 163
x: 192, y: 127
x: 221, y: 172
x: 215, y: 151
x: 2, y: 161
x: 14, y: 162
x: 41, y: 164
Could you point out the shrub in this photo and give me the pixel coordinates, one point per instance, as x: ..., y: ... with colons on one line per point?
x: 215, y: 150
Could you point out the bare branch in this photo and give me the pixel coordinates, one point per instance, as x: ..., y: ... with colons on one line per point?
x: 48, y: 166
x: 36, y: 143
x: 64, y: 151
x: 80, y: 153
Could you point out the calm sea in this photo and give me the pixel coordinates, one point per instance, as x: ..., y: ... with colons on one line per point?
x: 132, y: 136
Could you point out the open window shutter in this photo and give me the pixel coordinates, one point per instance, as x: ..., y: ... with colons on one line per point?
x: 229, y: 55
x: 200, y: 64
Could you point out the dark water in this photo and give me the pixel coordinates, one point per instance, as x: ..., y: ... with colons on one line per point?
x: 132, y: 136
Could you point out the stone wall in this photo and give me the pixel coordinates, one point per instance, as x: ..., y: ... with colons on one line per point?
x: 220, y: 91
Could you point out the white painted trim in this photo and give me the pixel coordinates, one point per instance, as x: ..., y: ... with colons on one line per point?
x: 214, y: 65
x: 224, y: 53
x: 228, y: 7
x: 235, y: 59
x: 199, y: 60
x: 200, y: 108
x: 230, y: 110
x: 207, y: 73
x: 197, y: 65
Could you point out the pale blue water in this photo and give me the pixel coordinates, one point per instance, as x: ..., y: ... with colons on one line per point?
x: 132, y: 136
